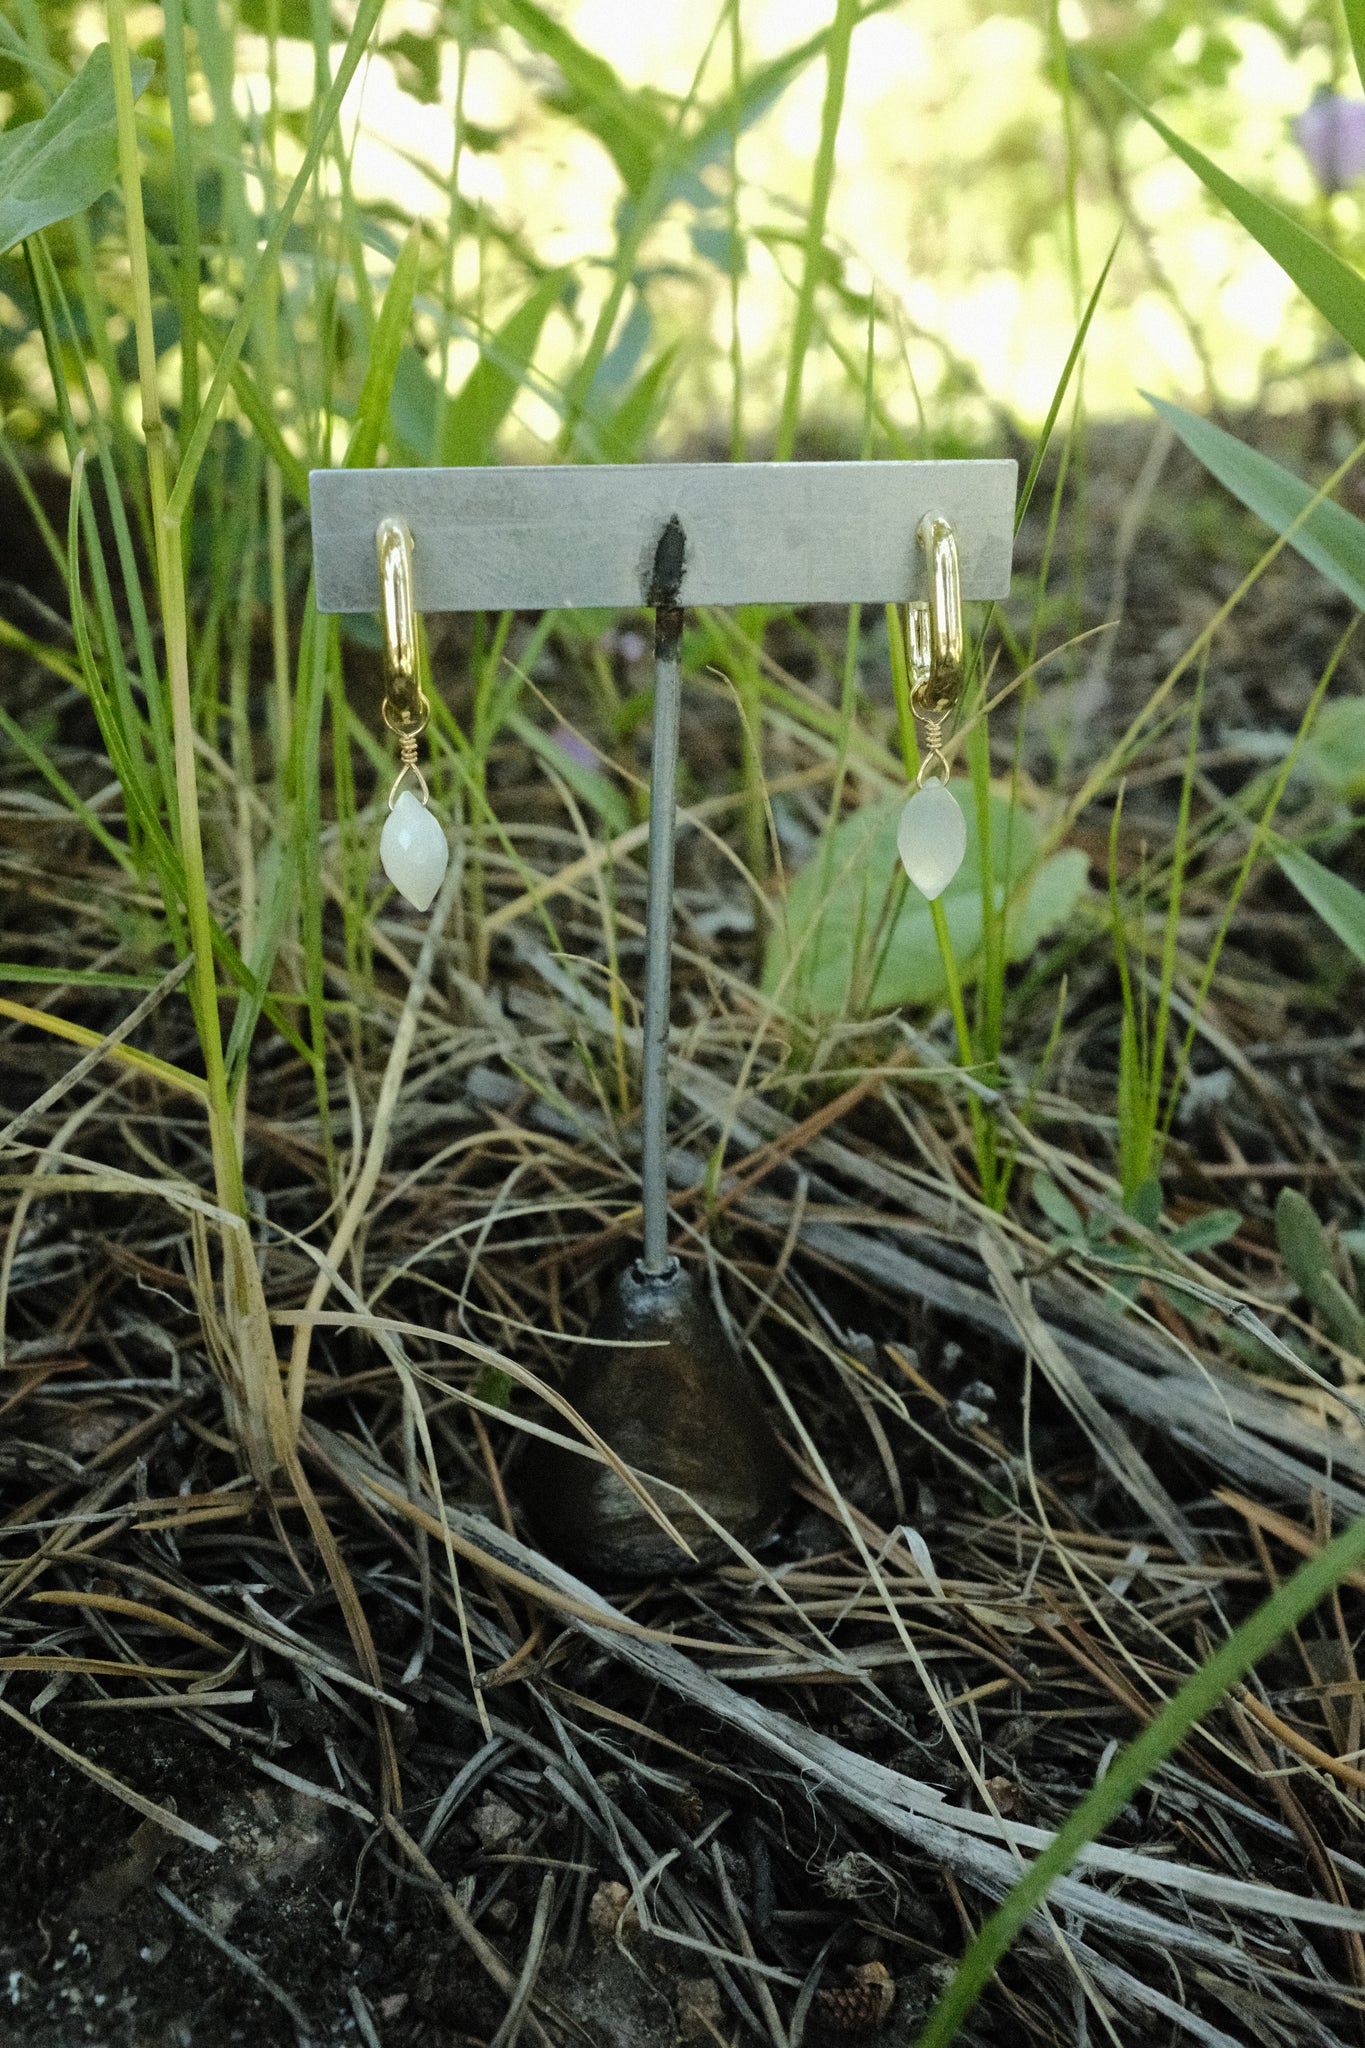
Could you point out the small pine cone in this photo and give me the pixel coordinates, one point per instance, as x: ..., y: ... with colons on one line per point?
x: 860, y: 2005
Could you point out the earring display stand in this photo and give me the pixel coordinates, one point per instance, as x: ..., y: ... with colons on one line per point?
x: 665, y: 1389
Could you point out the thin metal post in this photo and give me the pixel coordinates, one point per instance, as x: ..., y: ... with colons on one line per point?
x: 665, y: 588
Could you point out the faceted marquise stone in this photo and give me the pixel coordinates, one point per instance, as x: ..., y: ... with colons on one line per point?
x: 414, y: 851
x: 931, y: 839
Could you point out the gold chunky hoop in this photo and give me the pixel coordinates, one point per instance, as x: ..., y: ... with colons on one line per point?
x: 406, y: 709
x: 933, y: 644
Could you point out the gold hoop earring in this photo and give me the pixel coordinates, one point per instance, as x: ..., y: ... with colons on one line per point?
x: 413, y: 849
x: 932, y: 835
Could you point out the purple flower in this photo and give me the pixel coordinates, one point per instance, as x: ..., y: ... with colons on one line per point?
x: 1331, y: 134
x: 574, y: 746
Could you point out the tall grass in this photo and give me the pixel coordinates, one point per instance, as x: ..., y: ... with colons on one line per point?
x: 274, y: 325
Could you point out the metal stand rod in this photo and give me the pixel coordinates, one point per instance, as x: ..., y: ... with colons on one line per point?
x: 659, y: 936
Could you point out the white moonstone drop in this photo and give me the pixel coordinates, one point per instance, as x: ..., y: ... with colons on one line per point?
x: 931, y: 839
x: 414, y: 850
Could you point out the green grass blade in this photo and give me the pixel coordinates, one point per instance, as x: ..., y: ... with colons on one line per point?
x: 1334, y: 288
x: 1332, y: 539
x: 1355, y: 25
x: 165, y: 858
x: 590, y: 785
x: 129, y: 767
x: 74, y: 977
x: 263, y: 425
x: 817, y: 212
x: 1132, y: 1767
x: 623, y: 433
x: 75, y: 803
x: 372, y: 407
x: 1171, y: 935
x: 1249, y: 859
x: 738, y: 109
x: 366, y: 16
x: 278, y: 893
x: 668, y: 164
x: 488, y: 394
x: 306, y: 778
x: 1063, y: 385
x: 47, y: 295
x: 186, y: 210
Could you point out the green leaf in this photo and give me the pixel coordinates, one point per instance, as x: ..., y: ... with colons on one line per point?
x: 489, y: 392
x: 1201, y: 1233
x: 1341, y: 1318
x: 1301, y: 1238
x: 1335, y: 289
x: 621, y: 437
x: 1355, y: 26
x: 1058, y: 1208
x: 482, y: 403
x: 857, y: 941
x: 494, y: 1386
x: 1338, y: 902
x: 1334, y: 751
x: 1331, y: 539
x: 61, y: 163
x: 1057, y: 888
x: 386, y: 345
x: 1305, y: 1250
x: 630, y: 126
x: 760, y: 90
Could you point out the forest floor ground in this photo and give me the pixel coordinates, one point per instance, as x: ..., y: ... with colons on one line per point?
x: 787, y: 1897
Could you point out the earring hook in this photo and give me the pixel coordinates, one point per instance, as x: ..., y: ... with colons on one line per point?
x: 406, y: 709
x: 933, y: 638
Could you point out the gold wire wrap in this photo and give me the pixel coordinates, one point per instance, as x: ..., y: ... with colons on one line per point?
x: 407, y: 755
x: 933, y: 765
x: 933, y: 645
x: 406, y: 708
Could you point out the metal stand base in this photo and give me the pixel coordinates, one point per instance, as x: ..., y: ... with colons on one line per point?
x: 675, y: 1402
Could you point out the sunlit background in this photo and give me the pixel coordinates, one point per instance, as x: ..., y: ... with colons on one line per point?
x: 985, y: 165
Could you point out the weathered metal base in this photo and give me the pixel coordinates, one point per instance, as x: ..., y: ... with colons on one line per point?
x: 673, y: 1401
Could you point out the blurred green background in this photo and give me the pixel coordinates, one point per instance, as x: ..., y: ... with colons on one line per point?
x: 984, y: 165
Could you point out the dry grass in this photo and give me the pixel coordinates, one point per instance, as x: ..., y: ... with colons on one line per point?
x: 1021, y: 1516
